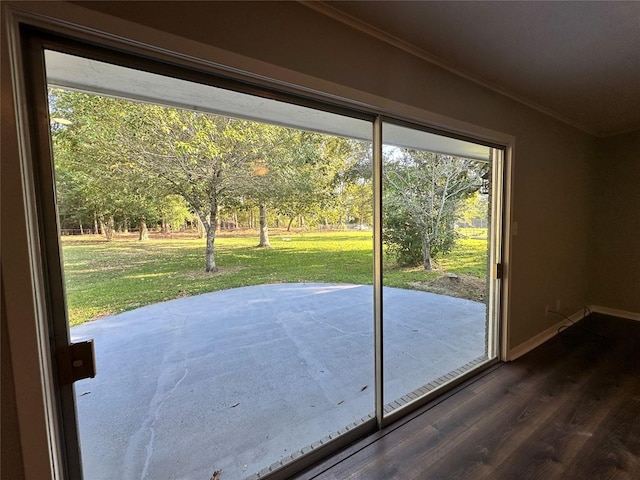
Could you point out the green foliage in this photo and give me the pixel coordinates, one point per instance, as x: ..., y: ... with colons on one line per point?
x: 119, y: 162
x: 423, y: 192
x: 176, y: 212
x: 358, y: 202
x: 401, y: 237
x: 95, y: 179
x: 474, y: 210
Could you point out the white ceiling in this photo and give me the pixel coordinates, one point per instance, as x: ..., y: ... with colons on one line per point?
x: 578, y: 61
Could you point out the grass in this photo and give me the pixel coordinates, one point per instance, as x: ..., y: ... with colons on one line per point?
x: 105, y: 278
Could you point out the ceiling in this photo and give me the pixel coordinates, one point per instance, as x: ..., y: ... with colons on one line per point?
x: 577, y: 61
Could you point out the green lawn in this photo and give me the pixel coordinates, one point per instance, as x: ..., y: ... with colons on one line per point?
x: 104, y: 278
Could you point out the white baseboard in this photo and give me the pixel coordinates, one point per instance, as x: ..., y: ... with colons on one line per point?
x: 615, y: 313
x: 545, y: 335
x: 553, y: 330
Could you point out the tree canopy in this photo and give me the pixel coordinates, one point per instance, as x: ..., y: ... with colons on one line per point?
x: 118, y: 160
x: 423, y: 193
x: 121, y: 163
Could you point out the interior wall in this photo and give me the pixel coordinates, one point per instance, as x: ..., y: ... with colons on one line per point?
x: 614, y: 256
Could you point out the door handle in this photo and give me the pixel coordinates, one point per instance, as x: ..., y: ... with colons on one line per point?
x: 76, y: 361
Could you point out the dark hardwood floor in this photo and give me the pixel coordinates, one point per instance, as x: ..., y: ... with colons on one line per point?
x: 570, y: 409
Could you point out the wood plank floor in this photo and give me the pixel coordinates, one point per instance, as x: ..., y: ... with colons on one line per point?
x: 570, y: 409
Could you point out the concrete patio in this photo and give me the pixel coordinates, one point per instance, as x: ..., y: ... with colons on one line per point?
x: 236, y: 380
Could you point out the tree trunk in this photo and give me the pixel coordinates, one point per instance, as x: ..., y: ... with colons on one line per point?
x: 143, y: 231
x: 264, y: 228
x: 290, y: 222
x: 210, y: 254
x: 210, y: 227
x: 81, y: 229
x: 95, y: 224
x: 426, y: 254
x: 111, y: 228
x: 107, y: 228
x: 200, y: 226
x: 165, y: 226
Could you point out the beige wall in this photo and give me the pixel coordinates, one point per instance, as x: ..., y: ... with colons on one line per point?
x: 615, y: 229
x: 551, y: 256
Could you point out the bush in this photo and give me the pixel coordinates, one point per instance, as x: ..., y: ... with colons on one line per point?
x: 402, y: 238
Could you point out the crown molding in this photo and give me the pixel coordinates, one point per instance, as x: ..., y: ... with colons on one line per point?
x: 326, y: 9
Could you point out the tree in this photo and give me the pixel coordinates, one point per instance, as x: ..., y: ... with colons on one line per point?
x: 358, y: 201
x: 206, y: 159
x: 316, y: 174
x: 258, y: 190
x: 354, y: 202
x: 175, y: 213
x: 296, y: 174
x: 475, y: 209
x: 422, y: 193
x: 94, y: 182
x: 142, y: 198
x: 128, y: 157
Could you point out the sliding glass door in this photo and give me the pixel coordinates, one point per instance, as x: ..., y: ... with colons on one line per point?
x: 265, y: 278
x: 217, y: 248
x: 436, y: 238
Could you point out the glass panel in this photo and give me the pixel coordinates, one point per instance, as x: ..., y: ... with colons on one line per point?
x: 223, y: 267
x: 436, y: 241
